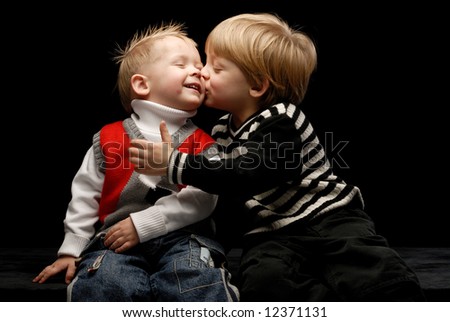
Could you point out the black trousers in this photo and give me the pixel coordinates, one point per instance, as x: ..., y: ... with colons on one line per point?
x: 334, y: 257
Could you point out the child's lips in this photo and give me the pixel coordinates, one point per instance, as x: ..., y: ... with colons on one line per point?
x: 195, y: 86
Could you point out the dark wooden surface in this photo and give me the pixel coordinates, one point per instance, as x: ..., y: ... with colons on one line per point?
x: 19, y: 266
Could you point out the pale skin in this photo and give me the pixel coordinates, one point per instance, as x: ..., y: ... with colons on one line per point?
x: 152, y: 158
x: 121, y: 237
x: 173, y: 80
x: 226, y: 89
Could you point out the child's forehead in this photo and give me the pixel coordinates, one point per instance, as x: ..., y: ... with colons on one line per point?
x: 213, y: 57
x: 172, y: 50
x: 219, y: 61
x: 174, y: 46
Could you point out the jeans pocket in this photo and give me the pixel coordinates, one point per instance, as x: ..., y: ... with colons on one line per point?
x: 211, y: 248
x: 199, y: 270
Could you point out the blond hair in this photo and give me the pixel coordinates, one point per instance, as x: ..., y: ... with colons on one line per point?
x: 264, y: 47
x: 138, y: 52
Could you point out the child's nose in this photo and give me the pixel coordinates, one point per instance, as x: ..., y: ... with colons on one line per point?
x: 204, y: 73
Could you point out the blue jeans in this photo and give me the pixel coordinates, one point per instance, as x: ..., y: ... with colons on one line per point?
x: 179, y: 266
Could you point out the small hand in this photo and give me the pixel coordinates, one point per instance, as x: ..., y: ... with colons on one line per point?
x: 122, y: 236
x: 62, y: 263
x: 152, y: 158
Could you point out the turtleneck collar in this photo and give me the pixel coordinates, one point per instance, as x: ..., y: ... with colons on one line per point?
x: 148, y: 115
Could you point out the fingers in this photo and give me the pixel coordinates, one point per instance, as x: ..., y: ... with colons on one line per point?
x: 41, y: 278
x: 128, y: 243
x: 109, y: 239
x: 138, y: 151
x: 151, y: 158
x: 113, y: 239
x: 122, y: 248
x: 45, y: 274
x: 122, y: 236
x: 165, y: 135
x: 140, y: 144
x: 119, y: 245
x: 64, y: 262
x: 70, y: 273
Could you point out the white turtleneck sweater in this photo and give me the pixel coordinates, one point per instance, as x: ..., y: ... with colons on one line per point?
x: 168, y: 214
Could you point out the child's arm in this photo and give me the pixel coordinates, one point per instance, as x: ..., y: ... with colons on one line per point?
x: 79, y: 222
x: 274, y: 155
x: 169, y: 213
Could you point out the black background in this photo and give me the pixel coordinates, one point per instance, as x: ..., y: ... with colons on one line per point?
x: 379, y: 86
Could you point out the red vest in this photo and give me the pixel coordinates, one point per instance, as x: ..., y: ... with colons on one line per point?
x: 114, y: 143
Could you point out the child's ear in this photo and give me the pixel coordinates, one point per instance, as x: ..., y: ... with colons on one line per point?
x: 259, y: 90
x: 140, y: 84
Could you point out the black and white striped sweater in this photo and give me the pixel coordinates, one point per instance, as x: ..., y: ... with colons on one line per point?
x: 273, y: 165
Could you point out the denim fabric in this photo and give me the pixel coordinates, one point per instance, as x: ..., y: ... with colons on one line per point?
x: 176, y: 267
